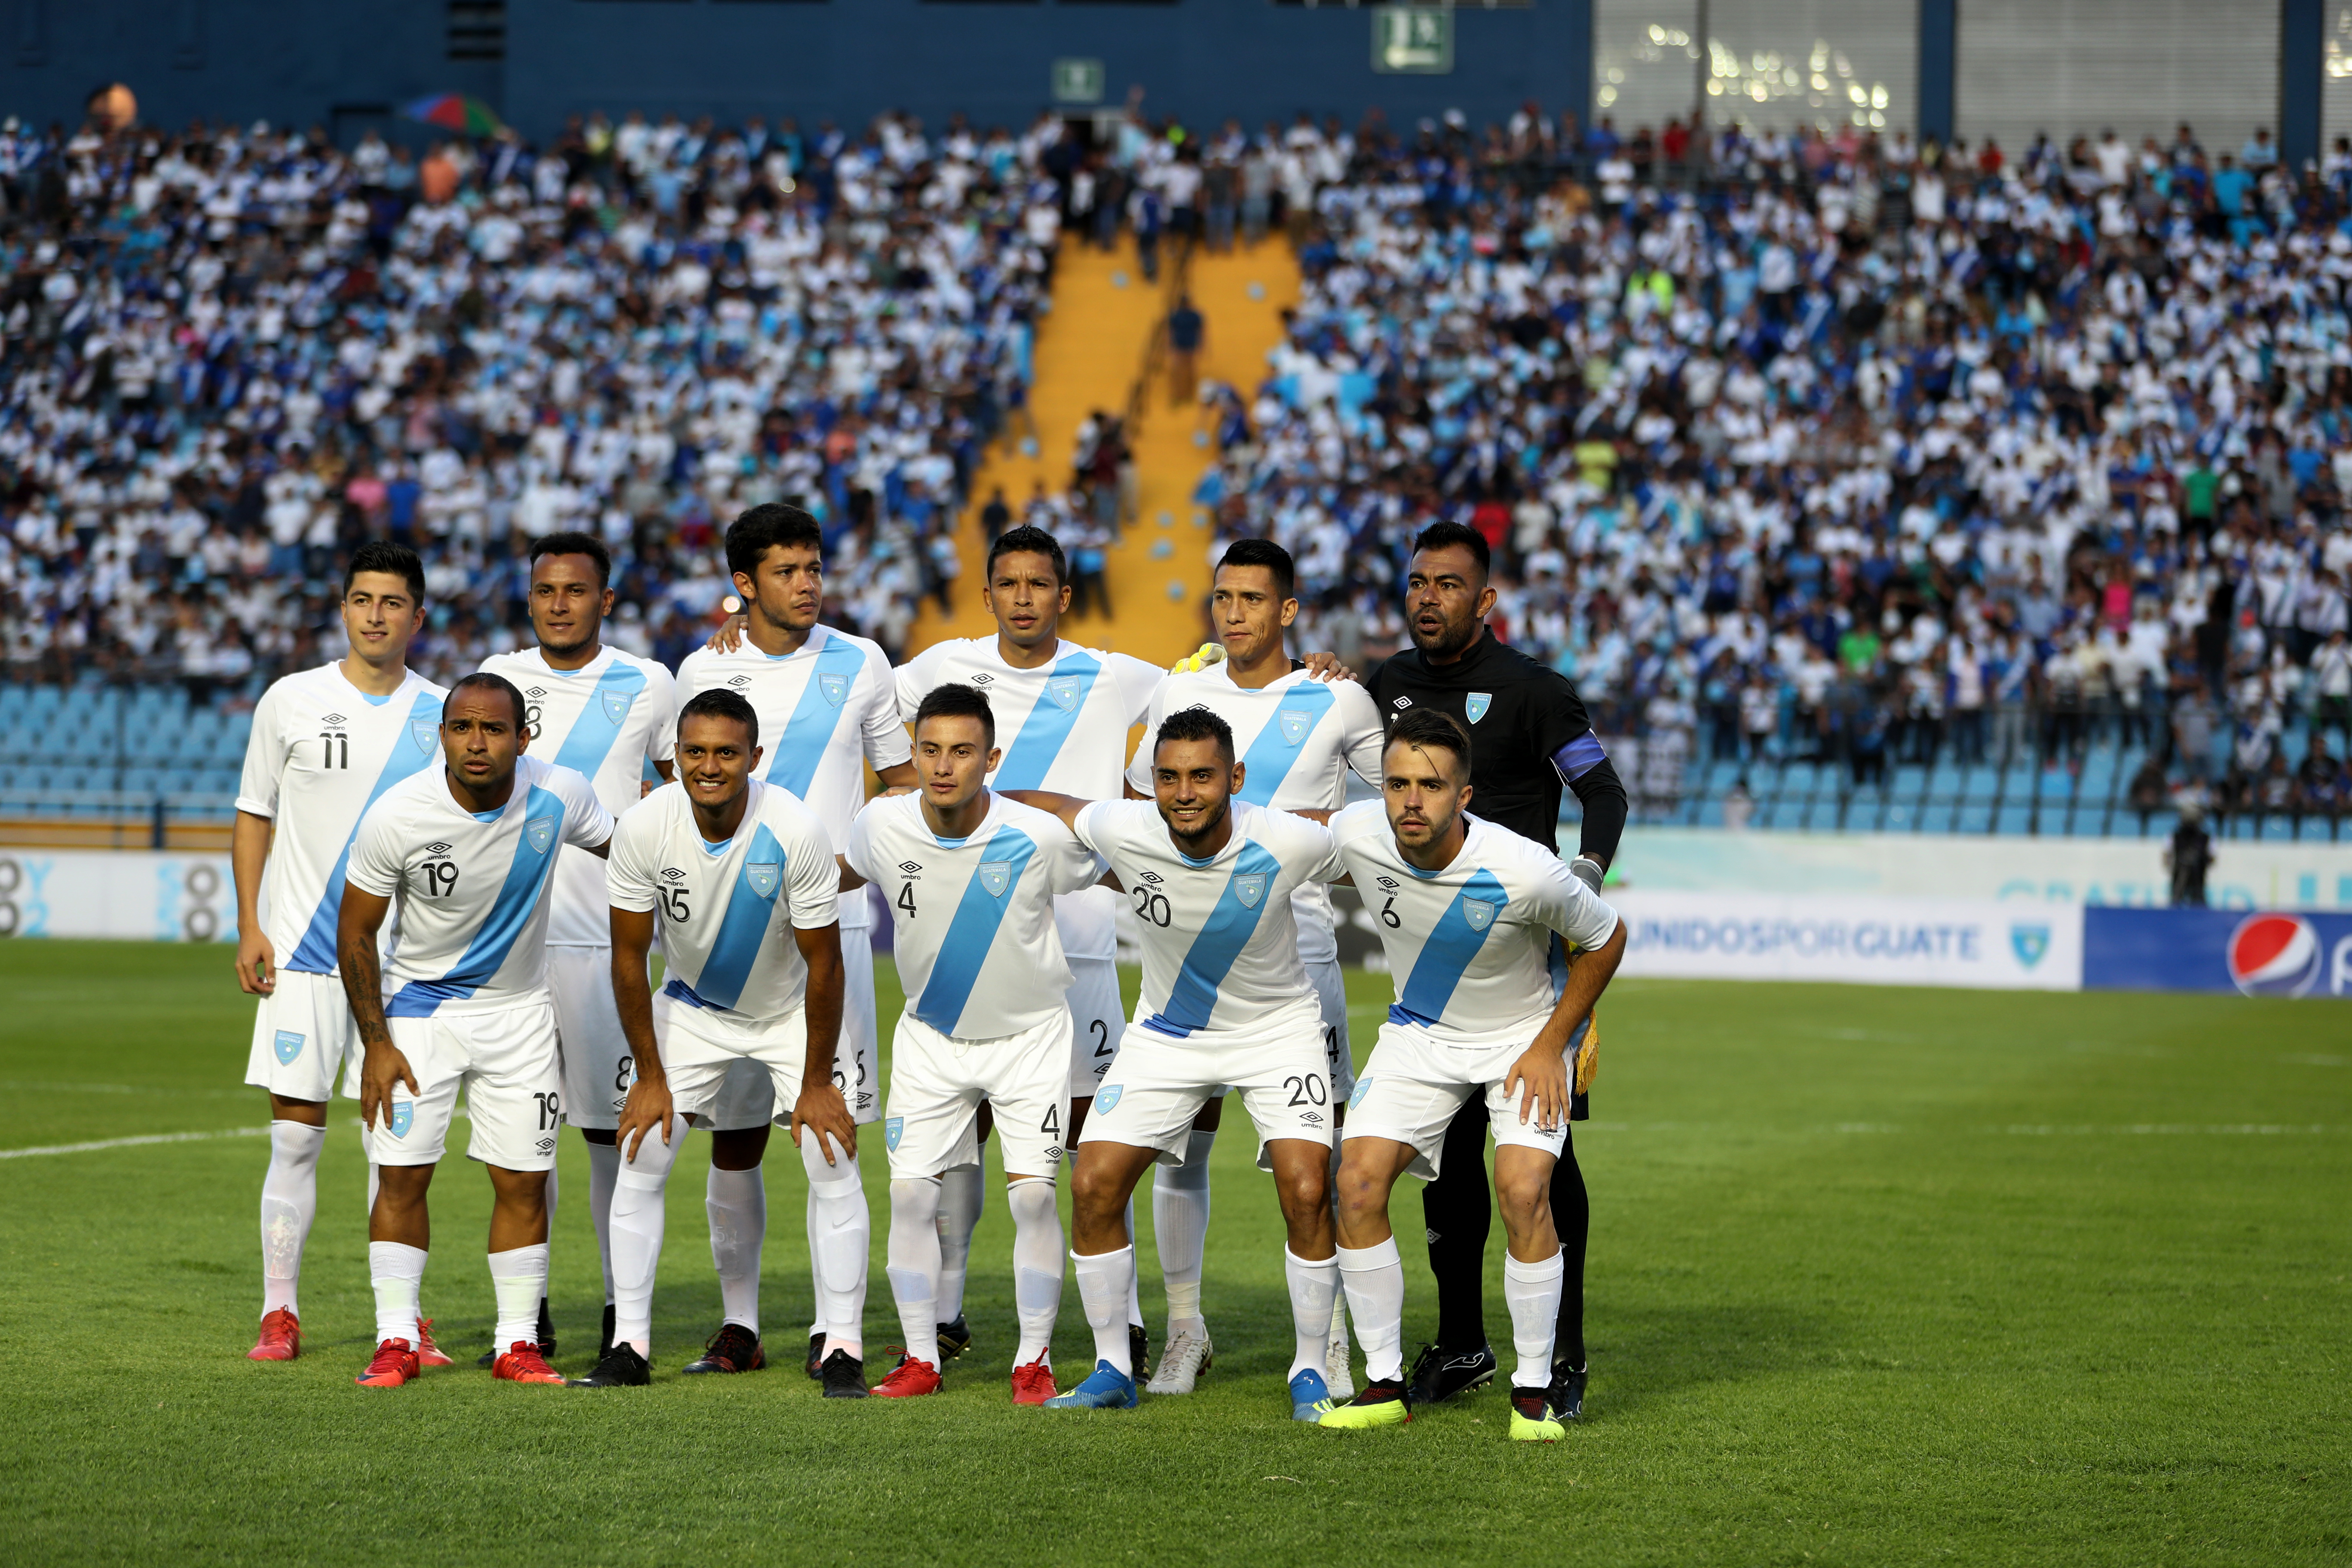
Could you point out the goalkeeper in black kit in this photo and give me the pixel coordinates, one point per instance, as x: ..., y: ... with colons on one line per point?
x: 1530, y: 736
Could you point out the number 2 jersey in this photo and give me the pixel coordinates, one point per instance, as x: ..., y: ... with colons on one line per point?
x: 470, y: 887
x: 1469, y: 947
x: 605, y: 722
x: 321, y: 753
x: 1062, y: 727
x: 1219, y: 944
x: 1296, y: 740
x: 727, y: 911
x: 977, y: 949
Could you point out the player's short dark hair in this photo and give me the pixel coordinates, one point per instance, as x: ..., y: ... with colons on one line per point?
x: 1194, y: 725
x: 1426, y: 727
x: 956, y: 702
x: 392, y: 559
x: 571, y: 542
x: 484, y: 680
x: 1029, y: 540
x: 717, y: 703
x: 1264, y: 553
x: 750, y: 536
x: 1439, y: 535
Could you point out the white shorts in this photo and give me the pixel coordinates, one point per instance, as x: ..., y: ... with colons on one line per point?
x: 1413, y: 1086
x: 748, y: 1097
x: 505, y: 1060
x: 302, y: 1035
x: 714, y: 1064
x: 1157, y: 1085
x: 938, y: 1081
x: 1331, y: 995
x: 1097, y: 1023
x: 596, y: 1065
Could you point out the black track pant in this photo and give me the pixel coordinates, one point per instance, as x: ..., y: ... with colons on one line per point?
x: 1460, y: 1211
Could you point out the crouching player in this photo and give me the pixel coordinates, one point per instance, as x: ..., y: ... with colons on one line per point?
x: 970, y: 878
x: 1465, y: 911
x: 727, y: 865
x: 1225, y: 1002
x: 469, y: 850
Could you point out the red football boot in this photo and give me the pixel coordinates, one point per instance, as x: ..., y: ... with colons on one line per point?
x: 1034, y: 1384
x: 427, y: 1353
x: 394, y: 1365
x: 910, y: 1378
x: 281, y: 1337
x: 523, y: 1363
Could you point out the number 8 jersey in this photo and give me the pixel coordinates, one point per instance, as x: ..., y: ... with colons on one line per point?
x: 727, y: 911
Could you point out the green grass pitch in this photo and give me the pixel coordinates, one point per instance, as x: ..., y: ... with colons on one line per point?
x: 1877, y: 1276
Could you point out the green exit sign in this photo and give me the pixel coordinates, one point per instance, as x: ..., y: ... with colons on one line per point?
x: 1413, y: 39
x: 1077, y: 81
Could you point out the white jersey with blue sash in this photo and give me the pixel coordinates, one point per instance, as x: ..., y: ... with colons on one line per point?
x: 321, y: 753
x: 1219, y: 945
x: 827, y: 711
x: 605, y: 722
x: 1296, y: 739
x: 727, y: 911
x: 471, y: 889
x: 1469, y: 948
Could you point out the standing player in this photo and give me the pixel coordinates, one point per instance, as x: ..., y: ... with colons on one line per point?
x: 1062, y: 713
x: 325, y: 743
x: 730, y: 865
x: 1297, y: 736
x: 827, y: 708
x: 603, y: 714
x: 972, y: 878
x: 469, y: 849
x: 1225, y: 1004
x: 1534, y: 736
x: 1482, y: 1017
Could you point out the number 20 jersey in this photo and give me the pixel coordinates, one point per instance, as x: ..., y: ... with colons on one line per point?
x: 973, y: 917
x: 321, y: 753
x: 1470, y: 947
x: 471, y: 888
x: 727, y: 911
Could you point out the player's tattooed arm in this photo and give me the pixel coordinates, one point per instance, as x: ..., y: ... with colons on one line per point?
x: 821, y: 1108
x: 249, y: 852
x: 1540, y: 1077
x: 648, y: 1106
x: 381, y: 1065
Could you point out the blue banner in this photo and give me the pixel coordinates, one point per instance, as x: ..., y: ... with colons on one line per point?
x: 2268, y: 953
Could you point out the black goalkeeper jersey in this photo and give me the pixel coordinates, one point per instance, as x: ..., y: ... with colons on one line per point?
x: 1529, y: 734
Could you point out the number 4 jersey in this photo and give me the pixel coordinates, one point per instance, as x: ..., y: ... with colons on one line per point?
x: 470, y: 916
x: 727, y: 911
x: 973, y: 917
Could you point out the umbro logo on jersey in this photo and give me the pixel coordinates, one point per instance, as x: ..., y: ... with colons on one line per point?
x: 535, y: 691
x: 1149, y: 876
x: 436, y: 848
x: 741, y: 680
x: 334, y: 719
x: 1312, y: 1118
x: 982, y: 678
x: 672, y: 874
x: 1404, y: 701
x: 910, y: 867
x: 1391, y: 883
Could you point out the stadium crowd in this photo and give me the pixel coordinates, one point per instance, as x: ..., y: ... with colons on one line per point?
x: 1811, y: 444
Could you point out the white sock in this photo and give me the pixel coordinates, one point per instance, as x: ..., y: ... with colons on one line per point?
x: 1104, y: 1280
x: 1374, y: 1277
x: 840, y: 1234
x: 289, y: 1202
x: 638, y: 1214
x: 960, y: 1203
x: 397, y: 1271
x: 604, y: 1166
x: 519, y: 1278
x: 913, y: 1258
x: 1179, y: 1221
x: 1036, y: 1265
x: 737, y: 1203
x: 1313, y: 1285
x: 1134, y: 1300
x: 1531, y: 1290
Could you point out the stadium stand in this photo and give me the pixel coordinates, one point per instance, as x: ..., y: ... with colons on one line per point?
x: 1857, y: 488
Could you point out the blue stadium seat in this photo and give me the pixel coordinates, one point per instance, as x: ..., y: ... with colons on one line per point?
x: 2015, y: 818
x: 1975, y: 815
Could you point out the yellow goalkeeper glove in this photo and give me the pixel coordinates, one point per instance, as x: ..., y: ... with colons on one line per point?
x: 1193, y: 663
x: 1588, y: 1054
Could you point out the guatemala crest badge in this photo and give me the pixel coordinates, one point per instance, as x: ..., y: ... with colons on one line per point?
x: 996, y: 876
x: 892, y: 1130
x: 422, y: 732
x: 1064, y: 690
x: 763, y: 876
x: 617, y: 703
x: 1476, y: 703
x: 2028, y: 943
x: 1479, y: 912
x: 1295, y: 725
x: 401, y: 1118
x: 288, y: 1045
x: 834, y: 688
x: 540, y: 831
x: 1249, y: 887
x: 1108, y: 1096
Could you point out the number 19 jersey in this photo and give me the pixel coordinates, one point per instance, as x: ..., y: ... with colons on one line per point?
x: 973, y: 917
x: 727, y: 911
x: 1469, y: 947
x: 1219, y: 946
x: 321, y: 753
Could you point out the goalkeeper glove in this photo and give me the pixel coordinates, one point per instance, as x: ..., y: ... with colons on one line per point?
x: 1193, y: 663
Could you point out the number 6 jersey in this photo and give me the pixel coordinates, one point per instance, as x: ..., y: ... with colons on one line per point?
x: 727, y: 911
x: 470, y: 921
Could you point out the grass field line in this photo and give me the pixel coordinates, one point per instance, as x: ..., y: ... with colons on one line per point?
x: 95, y: 1145
x: 27, y: 1085
x: 2167, y: 1130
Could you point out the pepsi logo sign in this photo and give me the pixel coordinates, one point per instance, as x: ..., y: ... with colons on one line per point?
x: 2274, y: 955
